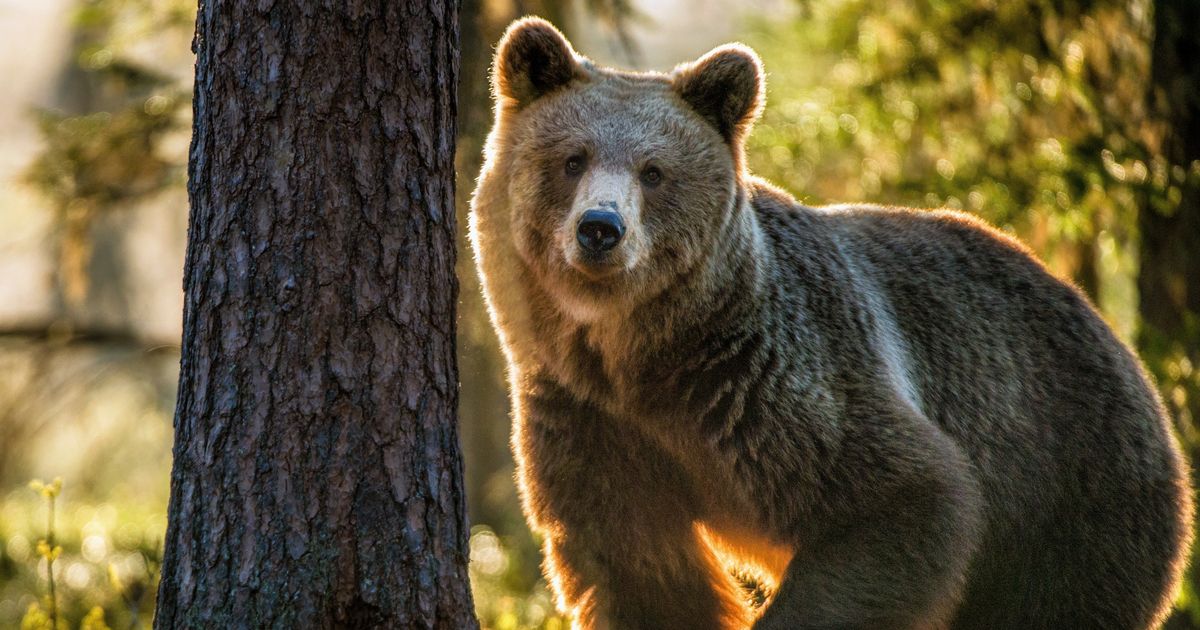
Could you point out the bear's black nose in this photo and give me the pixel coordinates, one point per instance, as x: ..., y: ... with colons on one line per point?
x: 600, y: 230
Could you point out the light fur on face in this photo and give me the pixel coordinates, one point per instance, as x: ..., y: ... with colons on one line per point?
x: 606, y: 188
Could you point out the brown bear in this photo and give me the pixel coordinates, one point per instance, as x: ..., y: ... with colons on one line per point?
x: 898, y: 416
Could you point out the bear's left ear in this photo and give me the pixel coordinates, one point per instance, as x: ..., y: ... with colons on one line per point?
x: 533, y: 59
x: 726, y: 87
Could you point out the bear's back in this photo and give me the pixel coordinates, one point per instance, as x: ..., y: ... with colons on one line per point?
x: 1056, y: 415
x: 1002, y: 355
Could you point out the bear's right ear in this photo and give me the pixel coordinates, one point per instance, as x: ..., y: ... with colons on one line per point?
x: 533, y: 58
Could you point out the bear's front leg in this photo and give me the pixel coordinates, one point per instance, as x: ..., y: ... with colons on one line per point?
x: 896, y: 535
x: 622, y: 551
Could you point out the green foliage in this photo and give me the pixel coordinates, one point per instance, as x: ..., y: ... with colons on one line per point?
x: 102, y: 566
x: 504, y: 597
x: 104, y: 158
x: 112, y: 151
x: 1027, y: 113
x: 48, y: 552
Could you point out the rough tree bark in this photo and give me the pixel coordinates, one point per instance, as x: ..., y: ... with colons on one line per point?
x: 317, y: 480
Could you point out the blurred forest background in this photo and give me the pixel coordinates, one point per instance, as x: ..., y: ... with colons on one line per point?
x: 1062, y: 122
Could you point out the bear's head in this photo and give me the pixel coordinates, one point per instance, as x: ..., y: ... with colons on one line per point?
x: 617, y: 182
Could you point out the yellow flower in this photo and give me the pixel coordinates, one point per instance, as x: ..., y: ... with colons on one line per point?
x: 114, y: 577
x: 36, y: 619
x: 94, y: 620
x: 48, y: 490
x: 44, y: 550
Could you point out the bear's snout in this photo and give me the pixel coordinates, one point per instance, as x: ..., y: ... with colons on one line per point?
x: 599, y: 230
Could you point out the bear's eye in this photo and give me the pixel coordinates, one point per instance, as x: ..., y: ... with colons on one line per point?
x: 651, y: 176
x: 575, y: 165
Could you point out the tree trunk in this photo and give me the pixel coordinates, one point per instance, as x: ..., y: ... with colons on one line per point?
x: 1169, y: 277
x: 1169, y: 221
x: 317, y: 480
x: 1169, y: 224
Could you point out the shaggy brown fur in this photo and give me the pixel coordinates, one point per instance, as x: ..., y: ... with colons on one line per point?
x: 899, y: 416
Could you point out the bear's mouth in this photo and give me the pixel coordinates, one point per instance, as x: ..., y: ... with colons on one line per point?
x: 596, y: 265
